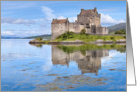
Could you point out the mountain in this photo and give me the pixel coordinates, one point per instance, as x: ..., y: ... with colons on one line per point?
x: 46, y: 36
x: 8, y: 37
x: 117, y: 27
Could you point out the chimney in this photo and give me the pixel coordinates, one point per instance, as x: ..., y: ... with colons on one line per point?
x: 95, y: 9
x: 82, y: 10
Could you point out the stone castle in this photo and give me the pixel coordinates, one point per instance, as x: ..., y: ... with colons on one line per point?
x: 87, y: 19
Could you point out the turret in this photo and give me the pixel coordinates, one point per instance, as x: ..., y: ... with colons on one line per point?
x: 82, y: 10
x: 95, y: 9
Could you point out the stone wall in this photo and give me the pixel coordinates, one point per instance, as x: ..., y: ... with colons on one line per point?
x: 75, y: 27
x: 102, y: 30
x: 83, y: 19
x: 58, y: 29
x: 97, y: 20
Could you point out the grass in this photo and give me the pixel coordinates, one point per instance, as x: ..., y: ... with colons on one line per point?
x: 70, y: 36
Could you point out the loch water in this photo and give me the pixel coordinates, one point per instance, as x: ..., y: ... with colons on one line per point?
x: 26, y: 67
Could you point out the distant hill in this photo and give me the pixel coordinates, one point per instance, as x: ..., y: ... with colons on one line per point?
x: 46, y: 36
x: 8, y: 37
x: 117, y: 27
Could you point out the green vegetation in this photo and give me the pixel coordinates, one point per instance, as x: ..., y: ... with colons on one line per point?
x: 121, y: 31
x: 83, y: 31
x: 85, y: 47
x: 122, y: 50
x: 70, y: 36
x: 37, y: 45
x: 40, y: 38
x: 66, y: 35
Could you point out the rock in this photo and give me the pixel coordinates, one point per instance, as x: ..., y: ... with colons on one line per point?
x: 36, y: 42
x: 121, y: 41
x: 99, y: 40
x: 112, y: 69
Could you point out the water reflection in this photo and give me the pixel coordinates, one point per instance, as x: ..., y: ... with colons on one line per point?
x: 72, y: 83
x: 62, y: 67
x: 37, y: 45
x: 90, y: 62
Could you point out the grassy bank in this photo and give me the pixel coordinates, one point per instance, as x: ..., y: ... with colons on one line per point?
x: 70, y: 36
x: 86, y: 38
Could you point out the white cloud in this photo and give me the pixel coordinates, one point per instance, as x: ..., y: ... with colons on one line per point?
x: 47, y: 66
x: 61, y: 17
x: 48, y: 12
x: 17, y: 21
x: 72, y: 19
x: 112, y: 54
x: 7, y: 33
x: 106, y: 19
x: 25, y: 32
x: 43, y: 22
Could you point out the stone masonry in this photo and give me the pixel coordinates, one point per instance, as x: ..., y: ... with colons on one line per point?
x: 87, y: 19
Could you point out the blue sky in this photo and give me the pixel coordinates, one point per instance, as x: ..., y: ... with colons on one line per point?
x: 29, y: 18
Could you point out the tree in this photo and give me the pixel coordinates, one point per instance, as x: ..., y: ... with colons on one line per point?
x: 40, y: 38
x: 83, y: 31
x: 121, y: 31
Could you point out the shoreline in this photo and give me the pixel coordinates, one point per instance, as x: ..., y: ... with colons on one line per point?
x: 121, y: 41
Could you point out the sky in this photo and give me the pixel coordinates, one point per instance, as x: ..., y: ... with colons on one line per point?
x: 31, y: 18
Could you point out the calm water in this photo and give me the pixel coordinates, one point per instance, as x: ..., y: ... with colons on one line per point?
x: 25, y: 67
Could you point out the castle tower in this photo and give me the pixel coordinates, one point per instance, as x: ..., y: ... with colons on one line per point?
x: 59, y: 26
x: 89, y: 17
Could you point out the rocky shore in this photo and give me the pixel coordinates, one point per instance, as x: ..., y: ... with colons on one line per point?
x: 78, y: 42
x: 35, y: 41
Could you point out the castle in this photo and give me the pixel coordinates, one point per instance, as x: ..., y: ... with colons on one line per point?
x: 87, y: 19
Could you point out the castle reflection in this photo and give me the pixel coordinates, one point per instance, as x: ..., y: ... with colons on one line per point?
x: 88, y: 62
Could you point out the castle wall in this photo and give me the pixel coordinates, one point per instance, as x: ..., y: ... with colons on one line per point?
x: 105, y: 30
x: 88, y: 30
x: 97, y: 21
x: 75, y: 27
x: 58, y: 29
x: 83, y: 19
x: 102, y: 30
